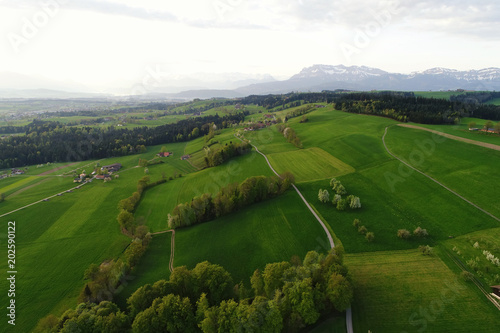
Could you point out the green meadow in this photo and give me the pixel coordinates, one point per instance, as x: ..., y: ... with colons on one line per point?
x: 405, y: 291
x: 395, y: 284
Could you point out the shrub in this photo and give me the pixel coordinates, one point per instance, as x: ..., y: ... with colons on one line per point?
x: 467, y: 276
x: 404, y: 234
x: 476, y: 245
x: 419, y: 232
x: 362, y: 230
x: 370, y: 236
x: 356, y: 223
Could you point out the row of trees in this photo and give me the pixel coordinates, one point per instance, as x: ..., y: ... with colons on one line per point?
x: 284, y: 297
x: 103, y: 280
x: 55, y: 142
x: 218, y: 156
x: 290, y: 135
x: 299, y: 112
x: 369, y: 236
x: 229, y: 199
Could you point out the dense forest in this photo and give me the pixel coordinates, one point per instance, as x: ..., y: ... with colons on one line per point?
x: 53, y: 142
x: 402, y: 106
x: 284, y: 297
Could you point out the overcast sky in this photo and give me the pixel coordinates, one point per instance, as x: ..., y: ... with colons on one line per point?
x: 105, y: 42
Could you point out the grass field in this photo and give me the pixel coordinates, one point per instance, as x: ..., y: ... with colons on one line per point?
x: 158, y: 202
x: 404, y: 291
x: 57, y: 240
x: 465, y: 168
x: 495, y: 101
x: 309, y: 164
x: 266, y: 232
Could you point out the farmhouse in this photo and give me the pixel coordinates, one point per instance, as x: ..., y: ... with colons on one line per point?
x: 164, y: 154
x: 17, y: 172
x: 185, y: 157
x: 112, y: 167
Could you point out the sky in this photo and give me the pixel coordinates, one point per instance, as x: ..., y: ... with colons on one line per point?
x: 108, y: 43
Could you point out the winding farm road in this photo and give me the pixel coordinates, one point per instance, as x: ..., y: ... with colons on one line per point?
x: 328, y: 234
x: 434, y: 180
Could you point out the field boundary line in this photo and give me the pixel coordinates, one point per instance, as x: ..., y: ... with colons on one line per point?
x: 454, y: 137
x: 172, y: 247
x: 348, y: 313
x: 436, y: 181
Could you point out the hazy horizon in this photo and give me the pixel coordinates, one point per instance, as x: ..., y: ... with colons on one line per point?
x: 113, y: 44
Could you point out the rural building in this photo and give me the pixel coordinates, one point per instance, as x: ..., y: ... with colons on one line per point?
x: 77, y: 180
x: 164, y: 154
x: 185, y: 157
x: 17, y: 172
x: 496, y: 290
x: 101, y: 177
x: 112, y: 167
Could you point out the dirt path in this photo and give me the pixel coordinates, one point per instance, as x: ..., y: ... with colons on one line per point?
x: 56, y: 169
x: 454, y: 137
x: 434, y: 180
x: 172, y: 248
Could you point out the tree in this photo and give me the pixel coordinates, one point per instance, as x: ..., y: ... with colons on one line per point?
x: 323, y: 196
x: 497, y: 128
x: 355, y: 203
x: 472, y: 124
x: 488, y: 125
x: 336, y: 199
x: 341, y: 204
x: 356, y: 223
x: 272, y: 277
x: 257, y: 283
x: 168, y: 314
x: 404, y: 234
x: 339, y: 292
x: 163, y: 149
x: 419, y: 232
x: 370, y: 236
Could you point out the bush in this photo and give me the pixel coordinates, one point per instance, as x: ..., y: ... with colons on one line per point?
x: 370, y: 236
x: 404, y: 234
x: 419, y: 232
x: 467, y: 276
x: 356, y: 223
x: 362, y: 230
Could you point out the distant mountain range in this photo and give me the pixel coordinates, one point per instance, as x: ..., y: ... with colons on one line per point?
x: 315, y: 78
x: 326, y: 77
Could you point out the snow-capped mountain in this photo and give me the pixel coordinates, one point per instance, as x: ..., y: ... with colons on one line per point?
x: 326, y: 77
x: 341, y: 72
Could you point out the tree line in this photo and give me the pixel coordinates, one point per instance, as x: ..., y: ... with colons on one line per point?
x: 216, y: 157
x: 290, y: 135
x: 284, y: 297
x: 229, y: 199
x: 54, y: 142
